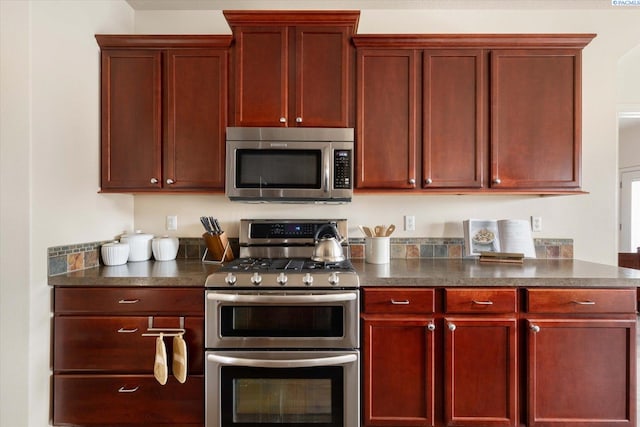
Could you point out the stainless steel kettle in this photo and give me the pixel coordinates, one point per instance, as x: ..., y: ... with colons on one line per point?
x: 328, y: 246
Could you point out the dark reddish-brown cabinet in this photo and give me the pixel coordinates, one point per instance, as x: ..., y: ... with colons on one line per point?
x: 292, y: 68
x: 398, y: 357
x: 480, y: 380
x: 581, y: 367
x: 467, y: 113
x: 103, y: 364
x: 164, y: 112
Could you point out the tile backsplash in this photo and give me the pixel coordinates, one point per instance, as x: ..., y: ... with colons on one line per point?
x: 65, y: 259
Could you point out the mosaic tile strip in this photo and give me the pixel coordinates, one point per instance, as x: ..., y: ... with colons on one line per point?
x: 66, y: 259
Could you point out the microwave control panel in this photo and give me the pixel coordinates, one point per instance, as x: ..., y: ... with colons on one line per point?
x: 342, y: 169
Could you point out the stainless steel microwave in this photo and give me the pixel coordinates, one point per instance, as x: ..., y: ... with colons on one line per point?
x: 313, y: 165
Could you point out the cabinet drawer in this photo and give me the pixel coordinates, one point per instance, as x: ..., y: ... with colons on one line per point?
x: 581, y: 300
x: 112, y: 400
x: 116, y: 344
x: 398, y: 301
x: 480, y: 300
x: 153, y: 301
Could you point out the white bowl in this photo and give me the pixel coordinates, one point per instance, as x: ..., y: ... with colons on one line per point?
x: 139, y: 245
x: 165, y: 248
x: 114, y: 253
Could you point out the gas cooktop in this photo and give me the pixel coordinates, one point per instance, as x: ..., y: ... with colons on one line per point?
x: 288, y: 265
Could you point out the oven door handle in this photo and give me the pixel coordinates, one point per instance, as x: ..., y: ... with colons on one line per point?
x: 289, y: 363
x: 284, y: 299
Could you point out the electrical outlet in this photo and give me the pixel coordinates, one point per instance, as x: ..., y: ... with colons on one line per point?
x: 536, y: 223
x: 172, y: 222
x: 409, y: 223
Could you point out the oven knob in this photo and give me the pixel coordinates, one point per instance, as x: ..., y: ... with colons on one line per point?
x: 231, y: 279
x: 282, y: 279
x: 307, y: 279
x: 333, y: 278
x: 256, y: 279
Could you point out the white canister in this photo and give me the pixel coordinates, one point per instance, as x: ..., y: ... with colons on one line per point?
x: 114, y: 253
x: 165, y: 248
x: 139, y: 245
x: 377, y: 250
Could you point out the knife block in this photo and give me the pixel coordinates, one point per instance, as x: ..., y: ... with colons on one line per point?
x: 218, y: 248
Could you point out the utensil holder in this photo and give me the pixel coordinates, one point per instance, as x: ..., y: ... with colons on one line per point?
x: 218, y: 248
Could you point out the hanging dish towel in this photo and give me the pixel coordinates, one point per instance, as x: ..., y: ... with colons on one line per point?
x: 160, y: 364
x: 180, y: 358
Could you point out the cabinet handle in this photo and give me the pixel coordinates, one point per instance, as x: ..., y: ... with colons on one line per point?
x: 452, y: 327
x: 534, y: 328
x: 431, y: 326
x: 128, y: 301
x: 298, y: 119
x: 283, y: 120
x: 428, y: 181
x: 412, y: 181
x: 403, y: 302
x: 154, y: 180
x: 128, y: 390
x: 497, y: 181
x: 170, y: 181
x: 483, y: 302
x: 127, y: 331
x: 584, y: 302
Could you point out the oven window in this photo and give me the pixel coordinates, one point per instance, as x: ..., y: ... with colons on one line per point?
x: 295, y: 396
x: 282, y: 321
x: 278, y: 168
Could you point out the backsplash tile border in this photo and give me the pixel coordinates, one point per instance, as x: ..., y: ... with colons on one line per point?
x: 68, y: 258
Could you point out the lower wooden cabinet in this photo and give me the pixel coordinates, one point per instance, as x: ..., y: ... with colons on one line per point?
x: 104, y: 345
x: 499, y: 357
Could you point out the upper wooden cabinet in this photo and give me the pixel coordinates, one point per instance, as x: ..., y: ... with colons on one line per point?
x: 292, y: 68
x: 469, y: 113
x: 164, y: 110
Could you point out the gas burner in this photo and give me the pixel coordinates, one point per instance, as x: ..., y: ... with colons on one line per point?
x: 285, y: 264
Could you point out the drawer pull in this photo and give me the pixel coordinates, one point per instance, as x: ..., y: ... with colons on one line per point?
x: 483, y: 302
x: 403, y: 302
x: 128, y: 390
x: 127, y: 331
x: 584, y: 302
x: 128, y: 301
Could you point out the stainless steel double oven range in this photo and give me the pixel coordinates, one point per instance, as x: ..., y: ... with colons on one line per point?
x: 282, y: 332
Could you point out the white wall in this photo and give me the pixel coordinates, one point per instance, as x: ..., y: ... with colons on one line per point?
x: 50, y: 141
x: 590, y: 219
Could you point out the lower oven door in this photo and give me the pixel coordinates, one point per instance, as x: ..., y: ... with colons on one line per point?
x: 282, y: 388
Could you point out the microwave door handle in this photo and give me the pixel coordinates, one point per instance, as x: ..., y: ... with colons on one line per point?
x: 282, y: 299
x: 289, y: 363
x: 327, y: 169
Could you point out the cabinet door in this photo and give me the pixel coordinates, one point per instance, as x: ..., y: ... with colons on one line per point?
x: 480, y: 372
x: 322, y: 65
x: 454, y: 130
x: 131, y: 119
x: 127, y: 400
x: 261, y: 76
x: 196, y: 103
x: 535, y: 119
x: 386, y: 131
x: 398, y: 371
x: 580, y: 373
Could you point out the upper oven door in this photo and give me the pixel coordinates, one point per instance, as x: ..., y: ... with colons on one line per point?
x: 276, y: 170
x: 276, y: 319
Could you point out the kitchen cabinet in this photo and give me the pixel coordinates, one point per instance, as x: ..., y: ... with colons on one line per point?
x: 480, y: 350
x: 581, y: 366
x: 398, y: 357
x: 292, y: 68
x: 163, y: 112
x: 469, y: 113
x: 103, y: 364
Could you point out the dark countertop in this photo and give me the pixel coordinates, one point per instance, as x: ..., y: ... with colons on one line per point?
x: 400, y: 272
